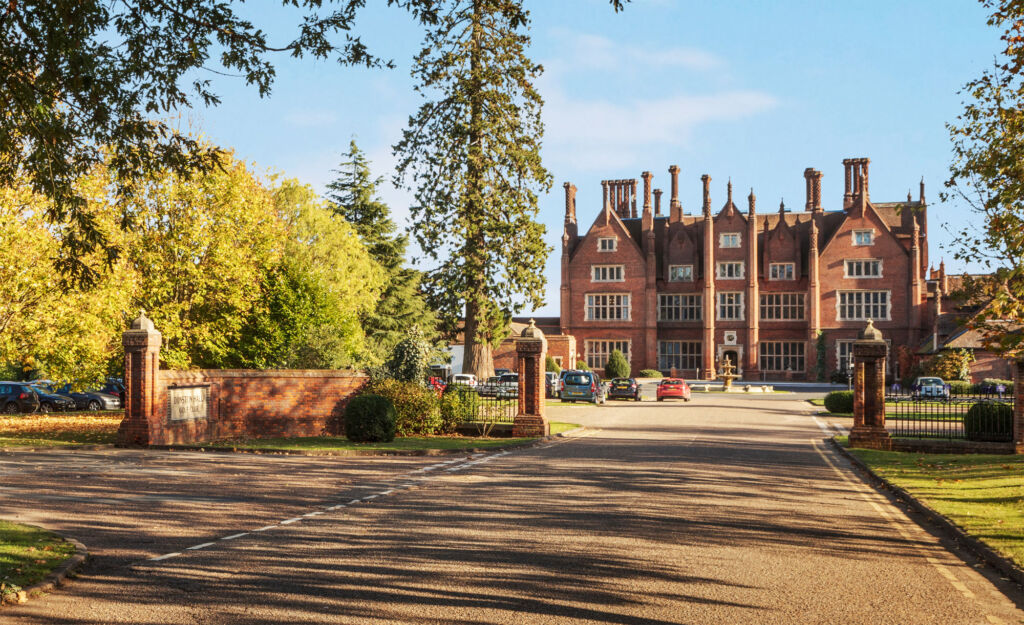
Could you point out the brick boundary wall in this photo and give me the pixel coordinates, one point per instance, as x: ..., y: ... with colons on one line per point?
x: 240, y: 403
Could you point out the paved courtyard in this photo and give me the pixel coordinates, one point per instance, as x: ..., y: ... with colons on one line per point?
x: 727, y: 509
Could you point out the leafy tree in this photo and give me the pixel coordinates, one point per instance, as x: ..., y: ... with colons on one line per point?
x: 472, y: 155
x: 987, y: 173
x: 954, y: 364
x: 551, y: 365
x: 353, y: 196
x: 582, y: 365
x: 410, y: 359
x: 78, y: 77
x: 617, y: 365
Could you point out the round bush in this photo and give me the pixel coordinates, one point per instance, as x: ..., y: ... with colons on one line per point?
x: 416, y: 407
x: 582, y: 365
x: 989, y: 421
x: 617, y: 365
x: 650, y: 373
x: 839, y: 401
x: 370, y: 419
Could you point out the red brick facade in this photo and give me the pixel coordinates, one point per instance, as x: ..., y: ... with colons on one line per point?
x: 687, y: 290
x: 239, y: 403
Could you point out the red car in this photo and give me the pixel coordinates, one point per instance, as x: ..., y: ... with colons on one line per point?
x: 673, y: 387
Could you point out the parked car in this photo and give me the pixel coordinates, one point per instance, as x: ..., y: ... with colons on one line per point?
x: 582, y: 386
x: 18, y: 397
x: 501, y: 372
x: 489, y: 388
x: 551, y: 383
x: 466, y: 379
x: 50, y: 401
x: 673, y: 387
x: 93, y: 400
x: 508, y: 386
x: 624, y: 388
x: 929, y: 387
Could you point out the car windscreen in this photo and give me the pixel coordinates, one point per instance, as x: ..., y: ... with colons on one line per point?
x: 932, y: 381
x: 577, y: 379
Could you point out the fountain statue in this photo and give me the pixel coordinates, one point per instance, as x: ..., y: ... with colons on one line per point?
x: 727, y: 374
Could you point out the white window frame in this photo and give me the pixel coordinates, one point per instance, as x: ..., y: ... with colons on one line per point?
x: 591, y: 306
x: 602, y: 240
x: 863, y: 262
x: 609, y: 272
x: 730, y: 236
x: 672, y: 278
x: 679, y: 354
x: 865, y: 315
x: 591, y: 353
x: 684, y: 302
x: 782, y: 306
x: 738, y: 303
x: 720, y: 265
x: 868, y: 231
x: 783, y: 353
x: 775, y: 271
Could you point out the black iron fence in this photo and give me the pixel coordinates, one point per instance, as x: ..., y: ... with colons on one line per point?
x: 941, y: 413
x: 481, y: 404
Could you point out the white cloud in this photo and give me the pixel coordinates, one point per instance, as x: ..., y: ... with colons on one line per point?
x: 581, y: 51
x: 601, y: 134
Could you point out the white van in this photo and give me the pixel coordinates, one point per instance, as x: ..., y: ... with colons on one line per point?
x: 466, y: 379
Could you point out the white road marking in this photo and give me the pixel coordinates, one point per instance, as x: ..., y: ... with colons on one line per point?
x: 386, y: 492
x: 312, y: 514
x: 822, y: 426
x: 263, y: 529
x: 368, y: 497
x: 234, y: 536
x: 353, y: 502
x: 289, y: 521
x: 202, y: 546
x: 165, y: 556
x: 337, y: 507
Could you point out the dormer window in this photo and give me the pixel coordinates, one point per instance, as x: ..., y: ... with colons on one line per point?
x: 780, y: 271
x: 729, y: 239
x: 680, y: 273
x: 607, y: 244
x: 863, y: 237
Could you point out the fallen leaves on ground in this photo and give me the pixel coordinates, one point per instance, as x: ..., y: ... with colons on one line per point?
x: 91, y: 428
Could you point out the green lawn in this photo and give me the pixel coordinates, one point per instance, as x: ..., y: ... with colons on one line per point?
x: 817, y: 401
x: 557, y: 427
x: 339, y: 443
x: 983, y: 494
x: 28, y: 554
x: 58, y: 429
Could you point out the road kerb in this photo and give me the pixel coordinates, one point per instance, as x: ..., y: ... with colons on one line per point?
x: 57, y: 578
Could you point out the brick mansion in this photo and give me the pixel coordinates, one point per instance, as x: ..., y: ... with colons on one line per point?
x: 686, y: 291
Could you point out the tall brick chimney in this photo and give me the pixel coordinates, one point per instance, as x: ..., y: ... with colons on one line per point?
x: 856, y: 179
x: 812, y: 178
x: 706, y: 179
x: 570, y: 202
x: 657, y: 202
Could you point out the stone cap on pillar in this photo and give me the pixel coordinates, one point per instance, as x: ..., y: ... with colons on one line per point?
x: 531, y: 335
x: 141, y: 333
x: 870, y: 333
x: 142, y: 322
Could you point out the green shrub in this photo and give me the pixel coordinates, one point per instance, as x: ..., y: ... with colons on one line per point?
x: 410, y: 359
x: 370, y: 418
x: 551, y: 365
x: 582, y: 365
x: 988, y: 385
x: 458, y: 405
x: 838, y: 377
x: 650, y: 373
x: 416, y: 406
x: 839, y: 401
x: 989, y: 421
x: 617, y: 365
x: 960, y: 387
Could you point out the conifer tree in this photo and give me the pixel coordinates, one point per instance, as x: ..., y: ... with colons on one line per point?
x: 353, y: 195
x: 472, y: 155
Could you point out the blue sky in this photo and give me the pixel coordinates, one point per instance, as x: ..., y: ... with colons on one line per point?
x: 753, y: 90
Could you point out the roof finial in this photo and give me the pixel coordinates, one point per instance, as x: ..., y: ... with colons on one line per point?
x: 729, y: 191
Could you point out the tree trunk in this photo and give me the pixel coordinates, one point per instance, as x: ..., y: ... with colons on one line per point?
x: 478, y: 357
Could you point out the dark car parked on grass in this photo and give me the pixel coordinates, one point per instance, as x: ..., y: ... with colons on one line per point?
x: 92, y: 400
x: 17, y: 397
x: 51, y: 402
x: 624, y: 388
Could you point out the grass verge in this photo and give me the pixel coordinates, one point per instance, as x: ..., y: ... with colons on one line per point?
x: 557, y: 427
x: 27, y: 555
x: 57, y: 429
x: 983, y: 494
x: 340, y: 443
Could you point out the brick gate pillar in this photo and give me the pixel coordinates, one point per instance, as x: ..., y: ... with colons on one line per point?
x: 869, y: 391
x: 1018, y: 406
x: 531, y: 348
x: 141, y: 366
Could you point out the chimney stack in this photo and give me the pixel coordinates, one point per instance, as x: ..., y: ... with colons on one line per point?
x: 812, y: 178
x: 647, y: 176
x: 706, y: 179
x: 657, y: 202
x: 856, y: 179
x: 632, y: 198
x: 674, y: 172
x: 570, y: 202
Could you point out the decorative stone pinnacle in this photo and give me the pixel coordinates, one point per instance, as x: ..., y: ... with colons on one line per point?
x: 870, y: 332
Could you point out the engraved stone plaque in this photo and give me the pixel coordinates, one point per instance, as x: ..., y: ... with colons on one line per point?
x: 187, y: 403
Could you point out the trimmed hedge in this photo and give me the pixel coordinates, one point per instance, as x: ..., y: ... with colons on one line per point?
x: 960, y: 387
x: 650, y: 373
x: 839, y: 401
x: 417, y: 410
x: 370, y: 418
x: 989, y: 421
